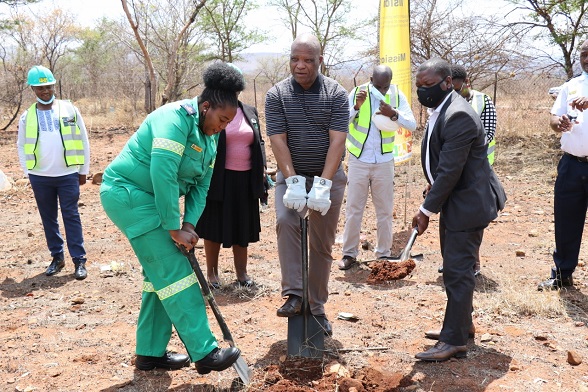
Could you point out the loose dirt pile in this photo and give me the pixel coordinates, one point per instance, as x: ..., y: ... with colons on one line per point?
x: 385, y: 271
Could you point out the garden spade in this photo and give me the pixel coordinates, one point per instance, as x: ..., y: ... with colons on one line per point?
x: 240, y: 365
x: 306, y: 333
x: 405, y: 255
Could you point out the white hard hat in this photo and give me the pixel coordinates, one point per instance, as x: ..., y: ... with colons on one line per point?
x: 384, y: 123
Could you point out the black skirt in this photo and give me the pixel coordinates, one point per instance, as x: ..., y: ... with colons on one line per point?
x: 235, y: 220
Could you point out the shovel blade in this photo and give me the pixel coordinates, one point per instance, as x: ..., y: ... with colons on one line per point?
x: 309, y: 343
x: 242, y: 370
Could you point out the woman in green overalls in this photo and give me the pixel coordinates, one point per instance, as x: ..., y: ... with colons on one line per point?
x: 171, y: 155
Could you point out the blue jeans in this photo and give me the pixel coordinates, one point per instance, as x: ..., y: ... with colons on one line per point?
x: 66, y: 189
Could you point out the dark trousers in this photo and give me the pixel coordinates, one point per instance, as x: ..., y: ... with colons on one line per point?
x: 65, y: 189
x: 459, y: 250
x: 570, y: 198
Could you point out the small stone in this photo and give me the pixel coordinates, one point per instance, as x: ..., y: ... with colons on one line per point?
x: 540, y: 337
x: 579, y: 324
x: 30, y: 234
x: 520, y: 253
x: 339, y: 370
x: 533, y: 233
x: 486, y: 337
x: 581, y: 263
x: 11, y: 380
x: 78, y: 301
x: 574, y: 358
x: 514, y: 368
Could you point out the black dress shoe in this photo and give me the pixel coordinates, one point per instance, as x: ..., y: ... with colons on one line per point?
x: 80, y: 273
x: 218, y: 360
x: 556, y: 283
x: 292, y: 307
x: 167, y: 361
x: 442, y: 352
x: 246, y: 283
x: 56, y: 265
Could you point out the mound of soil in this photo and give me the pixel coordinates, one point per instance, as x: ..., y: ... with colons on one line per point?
x: 311, y: 375
x: 384, y: 271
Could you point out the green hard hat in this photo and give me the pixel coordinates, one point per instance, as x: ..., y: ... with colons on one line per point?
x: 40, y: 76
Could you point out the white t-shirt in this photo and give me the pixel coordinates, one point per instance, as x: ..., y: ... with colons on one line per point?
x: 575, y: 141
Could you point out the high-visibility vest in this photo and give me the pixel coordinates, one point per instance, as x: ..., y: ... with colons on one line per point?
x: 359, y: 127
x: 71, y: 136
x: 478, y: 102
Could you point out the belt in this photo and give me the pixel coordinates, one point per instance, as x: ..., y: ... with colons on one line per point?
x: 579, y: 159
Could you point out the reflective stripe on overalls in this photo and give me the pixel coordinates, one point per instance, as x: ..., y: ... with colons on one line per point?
x: 479, y: 103
x: 71, y: 136
x: 359, y: 127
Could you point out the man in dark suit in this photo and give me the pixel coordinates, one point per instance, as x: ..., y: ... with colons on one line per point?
x: 463, y: 188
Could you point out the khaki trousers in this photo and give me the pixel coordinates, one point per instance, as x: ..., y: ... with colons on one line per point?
x: 321, y: 237
x: 363, y: 178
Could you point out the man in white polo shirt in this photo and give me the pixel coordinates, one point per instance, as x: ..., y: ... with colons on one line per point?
x: 570, y: 194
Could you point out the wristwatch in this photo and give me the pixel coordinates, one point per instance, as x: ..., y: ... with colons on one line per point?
x: 395, y: 117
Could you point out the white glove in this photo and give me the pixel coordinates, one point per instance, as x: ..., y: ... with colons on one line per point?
x: 319, y: 197
x: 295, y: 196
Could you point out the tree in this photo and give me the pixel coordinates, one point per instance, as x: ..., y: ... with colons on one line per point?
x: 560, y: 23
x: 229, y: 35
x: 165, y: 33
x: 327, y: 20
x: 485, y: 48
x: 274, y: 68
x: 27, y: 40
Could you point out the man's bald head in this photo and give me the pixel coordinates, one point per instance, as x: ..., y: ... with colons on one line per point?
x: 382, y: 71
x: 308, y: 41
x: 381, y: 78
x: 305, y: 60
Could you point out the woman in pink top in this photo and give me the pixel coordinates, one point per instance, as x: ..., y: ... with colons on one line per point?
x: 231, y: 215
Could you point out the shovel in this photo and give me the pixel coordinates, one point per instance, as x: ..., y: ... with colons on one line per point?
x: 240, y: 365
x: 306, y: 333
x: 405, y: 255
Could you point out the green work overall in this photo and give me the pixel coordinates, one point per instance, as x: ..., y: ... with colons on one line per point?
x: 168, y: 157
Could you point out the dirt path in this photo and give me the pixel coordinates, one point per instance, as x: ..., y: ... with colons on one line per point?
x: 59, y: 334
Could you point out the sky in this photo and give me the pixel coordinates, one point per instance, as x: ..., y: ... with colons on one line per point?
x: 88, y: 11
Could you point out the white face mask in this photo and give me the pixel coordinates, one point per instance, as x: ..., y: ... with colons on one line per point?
x: 46, y: 102
x: 376, y: 93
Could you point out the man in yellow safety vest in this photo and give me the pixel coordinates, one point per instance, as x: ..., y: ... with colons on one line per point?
x: 54, y: 153
x: 376, y: 110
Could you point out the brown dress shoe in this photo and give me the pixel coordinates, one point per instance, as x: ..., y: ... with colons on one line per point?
x: 292, y: 307
x: 442, y: 352
x: 435, y: 333
x: 347, y: 262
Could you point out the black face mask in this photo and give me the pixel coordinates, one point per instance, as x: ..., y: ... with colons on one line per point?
x: 431, y: 96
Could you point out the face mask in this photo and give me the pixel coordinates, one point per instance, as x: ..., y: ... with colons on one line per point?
x: 431, y: 96
x: 46, y: 102
x: 376, y: 93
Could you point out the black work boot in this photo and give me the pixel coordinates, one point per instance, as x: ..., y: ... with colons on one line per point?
x: 80, y: 272
x: 56, y: 265
x: 218, y: 360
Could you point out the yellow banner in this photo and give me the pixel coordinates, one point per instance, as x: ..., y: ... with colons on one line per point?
x: 395, y: 52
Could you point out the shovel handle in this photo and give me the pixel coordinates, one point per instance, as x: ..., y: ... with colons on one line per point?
x: 227, y: 337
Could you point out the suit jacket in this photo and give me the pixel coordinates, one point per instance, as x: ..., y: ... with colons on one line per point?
x: 258, y: 162
x: 465, y: 188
